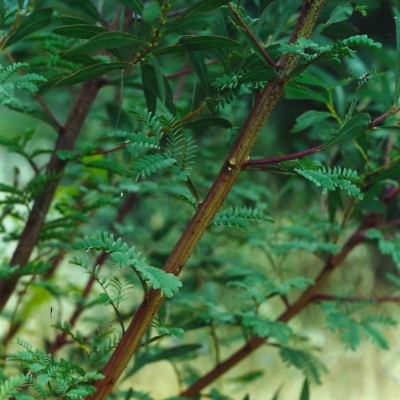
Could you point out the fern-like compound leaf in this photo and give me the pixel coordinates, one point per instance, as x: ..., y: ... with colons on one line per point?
x: 328, y: 179
x: 239, y: 216
x: 305, y: 361
x: 264, y: 327
x: 149, y: 164
x: 158, y: 279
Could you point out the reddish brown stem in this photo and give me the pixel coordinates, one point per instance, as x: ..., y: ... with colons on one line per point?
x: 224, y: 182
x: 294, y: 309
x: 269, y: 60
x: 300, y: 304
x: 36, y: 219
x: 382, y: 117
x: 279, y: 159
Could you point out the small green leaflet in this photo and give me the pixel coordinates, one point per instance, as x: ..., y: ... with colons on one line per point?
x: 353, y: 128
x: 106, y: 40
x: 91, y: 72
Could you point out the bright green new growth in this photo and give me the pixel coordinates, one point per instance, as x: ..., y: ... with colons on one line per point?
x: 125, y: 256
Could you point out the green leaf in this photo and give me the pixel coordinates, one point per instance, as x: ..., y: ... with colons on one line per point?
x: 80, y: 31
x: 390, y: 128
x: 208, y: 121
x: 106, y: 40
x: 353, y: 128
x: 258, y: 74
x: 199, y: 66
x: 397, y: 70
x: 158, y: 279
x: 203, y: 6
x: 68, y: 20
x: 163, y: 354
x: 2, y: 14
x: 309, y: 118
x: 298, y: 92
x: 204, y: 42
x: 152, y: 12
x: 306, y: 362
x: 340, y: 13
x: 90, y: 72
x: 198, y: 22
x: 84, y: 6
x: 135, y: 5
x: 149, y: 164
x: 150, y: 86
x: 107, y: 165
x: 305, y: 391
x: 31, y: 23
x: 263, y: 17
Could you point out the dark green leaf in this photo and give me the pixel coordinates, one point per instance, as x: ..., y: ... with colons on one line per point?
x: 68, y: 20
x: 305, y: 391
x: 81, y: 31
x: 119, y: 119
x: 91, y: 72
x: 199, y: 66
x: 152, y: 12
x: 339, y: 14
x: 107, y: 165
x: 309, y: 118
x: 158, y: 77
x: 253, y: 61
x: 203, y: 6
x: 204, y: 42
x: 177, y: 49
x: 198, y: 22
x: 208, y: 121
x: 397, y: 70
x: 276, y: 394
x: 135, y: 5
x: 84, y: 6
x: 390, y: 128
x: 353, y: 128
x: 169, y: 98
x: 2, y: 15
x: 309, y: 79
x: 106, y: 40
x: 294, y: 91
x: 31, y: 23
x: 168, y: 354
x: 258, y: 74
x: 262, y: 19
x: 82, y: 59
x: 150, y: 87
